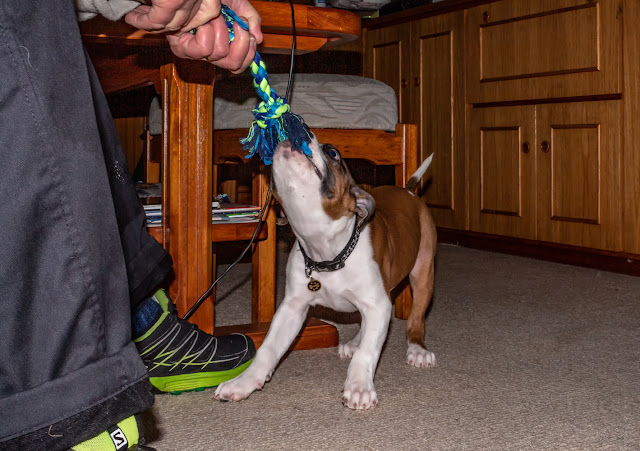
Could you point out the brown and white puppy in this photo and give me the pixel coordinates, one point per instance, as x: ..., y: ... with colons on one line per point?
x: 397, y: 239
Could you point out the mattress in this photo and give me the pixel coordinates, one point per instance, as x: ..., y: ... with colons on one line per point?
x: 323, y: 100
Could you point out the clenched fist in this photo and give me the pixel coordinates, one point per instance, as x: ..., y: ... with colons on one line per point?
x: 211, y: 39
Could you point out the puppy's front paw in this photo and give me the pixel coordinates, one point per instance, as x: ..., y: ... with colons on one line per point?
x: 346, y: 350
x: 240, y: 387
x: 419, y: 357
x: 359, y: 395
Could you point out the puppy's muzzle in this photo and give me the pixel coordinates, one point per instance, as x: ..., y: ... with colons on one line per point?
x: 285, y: 150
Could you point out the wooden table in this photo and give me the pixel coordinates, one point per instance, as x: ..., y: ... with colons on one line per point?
x: 127, y: 59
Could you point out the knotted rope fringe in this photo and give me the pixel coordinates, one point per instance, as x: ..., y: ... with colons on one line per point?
x: 274, y: 122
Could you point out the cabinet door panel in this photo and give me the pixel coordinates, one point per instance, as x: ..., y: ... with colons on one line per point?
x: 502, y: 171
x: 548, y: 48
x: 579, y: 174
x: 386, y: 58
x: 438, y: 105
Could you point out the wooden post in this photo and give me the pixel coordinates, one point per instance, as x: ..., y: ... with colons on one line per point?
x: 187, y: 189
x: 263, y: 301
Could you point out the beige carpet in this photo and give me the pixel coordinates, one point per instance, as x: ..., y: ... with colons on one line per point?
x: 532, y: 356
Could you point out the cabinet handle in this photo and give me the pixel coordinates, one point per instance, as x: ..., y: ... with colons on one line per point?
x: 525, y: 147
x: 544, y: 146
x: 404, y: 83
x: 416, y: 81
x: 485, y: 17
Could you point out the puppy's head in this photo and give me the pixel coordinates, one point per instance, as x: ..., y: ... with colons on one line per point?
x: 318, y: 189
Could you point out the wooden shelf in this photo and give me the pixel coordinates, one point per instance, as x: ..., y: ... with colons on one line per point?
x: 222, y: 232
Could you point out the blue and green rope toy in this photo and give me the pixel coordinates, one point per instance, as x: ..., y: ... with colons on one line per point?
x: 274, y: 122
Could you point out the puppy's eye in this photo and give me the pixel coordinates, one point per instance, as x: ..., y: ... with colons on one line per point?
x: 331, y: 151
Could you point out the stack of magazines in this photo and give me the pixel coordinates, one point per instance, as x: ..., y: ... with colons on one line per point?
x: 150, y: 195
x: 220, y: 211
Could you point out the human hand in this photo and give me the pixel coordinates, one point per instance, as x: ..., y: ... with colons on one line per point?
x: 164, y: 16
x: 211, y: 40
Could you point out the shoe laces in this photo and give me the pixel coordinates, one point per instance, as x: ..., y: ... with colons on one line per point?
x: 172, y: 344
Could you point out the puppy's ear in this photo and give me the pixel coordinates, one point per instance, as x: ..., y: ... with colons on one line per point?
x: 365, y: 205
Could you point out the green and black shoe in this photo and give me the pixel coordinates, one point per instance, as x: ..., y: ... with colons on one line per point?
x: 180, y: 357
x: 126, y: 435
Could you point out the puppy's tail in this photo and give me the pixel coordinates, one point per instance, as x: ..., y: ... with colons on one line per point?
x: 415, y: 178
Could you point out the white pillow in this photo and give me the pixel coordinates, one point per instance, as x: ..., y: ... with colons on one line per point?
x: 323, y: 101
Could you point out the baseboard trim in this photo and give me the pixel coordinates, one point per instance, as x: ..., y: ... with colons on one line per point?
x: 618, y: 262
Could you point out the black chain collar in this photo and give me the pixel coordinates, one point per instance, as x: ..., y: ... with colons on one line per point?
x: 335, y: 264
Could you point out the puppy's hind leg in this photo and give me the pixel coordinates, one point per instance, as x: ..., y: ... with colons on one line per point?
x: 421, y: 279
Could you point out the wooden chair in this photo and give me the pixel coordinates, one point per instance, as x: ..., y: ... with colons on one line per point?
x: 399, y: 149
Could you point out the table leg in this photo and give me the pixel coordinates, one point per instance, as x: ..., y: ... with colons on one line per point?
x: 263, y: 291
x: 187, y: 190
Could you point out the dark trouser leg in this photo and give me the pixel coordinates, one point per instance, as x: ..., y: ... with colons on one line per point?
x: 146, y: 261
x: 68, y: 367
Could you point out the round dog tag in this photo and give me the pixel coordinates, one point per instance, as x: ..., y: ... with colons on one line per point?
x: 314, y: 285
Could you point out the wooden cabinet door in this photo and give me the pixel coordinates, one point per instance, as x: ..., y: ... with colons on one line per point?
x: 544, y: 49
x: 386, y: 58
x: 437, y: 104
x: 578, y: 153
x: 502, y: 182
